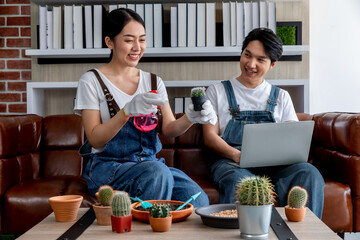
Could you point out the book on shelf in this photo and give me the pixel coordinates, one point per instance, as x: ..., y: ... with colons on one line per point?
x: 255, y: 15
x: 68, y: 27
x: 233, y: 24
x: 182, y: 31
x: 173, y: 27
x: 112, y: 7
x: 99, y: 15
x: 187, y: 102
x: 179, y: 105
x: 200, y: 25
x: 121, y: 5
x: 226, y: 24
x: 49, y: 28
x: 272, y: 16
x: 139, y: 8
x: 263, y: 14
x: 42, y: 27
x: 247, y: 18
x: 191, y: 25
x: 158, y: 25
x: 130, y: 6
x: 210, y: 25
x: 239, y: 23
x: 78, y: 26
x: 57, y: 27
x: 88, y: 22
x: 149, y: 25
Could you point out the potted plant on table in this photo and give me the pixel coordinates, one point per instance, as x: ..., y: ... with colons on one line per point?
x: 297, y: 198
x: 121, y: 212
x: 160, y: 217
x: 255, y: 198
x: 198, y: 97
x: 103, y: 208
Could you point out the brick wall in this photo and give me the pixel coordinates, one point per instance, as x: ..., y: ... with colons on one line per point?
x: 15, y: 67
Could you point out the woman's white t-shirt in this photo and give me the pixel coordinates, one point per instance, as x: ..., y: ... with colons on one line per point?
x: 249, y: 99
x: 90, y: 95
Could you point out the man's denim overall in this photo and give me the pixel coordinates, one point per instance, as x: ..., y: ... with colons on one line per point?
x: 226, y: 176
x: 128, y: 163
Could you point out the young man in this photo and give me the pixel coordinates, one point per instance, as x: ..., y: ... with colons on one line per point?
x: 248, y: 99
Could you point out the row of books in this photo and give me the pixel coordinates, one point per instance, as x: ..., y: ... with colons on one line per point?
x: 181, y: 103
x: 190, y: 24
x: 239, y: 18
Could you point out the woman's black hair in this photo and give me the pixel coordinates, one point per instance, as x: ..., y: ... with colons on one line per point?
x: 271, y: 42
x: 117, y: 19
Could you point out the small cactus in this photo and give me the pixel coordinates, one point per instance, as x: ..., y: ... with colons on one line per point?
x: 255, y: 191
x: 160, y: 210
x: 297, y: 197
x: 121, y: 204
x: 197, y: 92
x: 105, y: 195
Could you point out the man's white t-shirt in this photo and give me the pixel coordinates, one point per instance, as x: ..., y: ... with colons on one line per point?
x: 90, y: 95
x: 249, y: 99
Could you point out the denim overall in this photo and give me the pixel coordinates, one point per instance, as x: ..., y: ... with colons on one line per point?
x: 226, y: 176
x: 128, y: 163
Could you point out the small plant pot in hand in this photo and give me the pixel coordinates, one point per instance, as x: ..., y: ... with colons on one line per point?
x: 198, y: 97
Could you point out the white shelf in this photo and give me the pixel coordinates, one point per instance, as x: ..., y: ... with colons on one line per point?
x: 158, y: 52
x: 35, y: 90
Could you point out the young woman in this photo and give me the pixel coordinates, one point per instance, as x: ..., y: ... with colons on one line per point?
x: 122, y: 156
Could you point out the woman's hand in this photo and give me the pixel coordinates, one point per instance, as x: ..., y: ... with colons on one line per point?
x: 206, y: 115
x: 143, y: 104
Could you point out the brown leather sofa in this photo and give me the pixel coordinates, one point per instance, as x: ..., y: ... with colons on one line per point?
x: 39, y: 159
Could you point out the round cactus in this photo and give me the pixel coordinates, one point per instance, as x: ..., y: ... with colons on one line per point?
x: 121, y: 204
x: 105, y: 195
x: 197, y: 92
x: 255, y: 191
x: 297, y: 197
x: 159, y: 210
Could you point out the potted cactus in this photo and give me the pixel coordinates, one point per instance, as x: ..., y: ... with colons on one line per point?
x: 255, y: 198
x: 198, y: 97
x: 297, y: 198
x: 121, y: 212
x: 102, y: 209
x: 160, y: 217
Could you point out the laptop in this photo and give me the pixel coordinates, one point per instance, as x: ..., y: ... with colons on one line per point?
x: 273, y: 144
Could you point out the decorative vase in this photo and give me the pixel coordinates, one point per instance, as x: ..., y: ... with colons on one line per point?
x: 65, y: 207
x: 254, y: 221
x: 160, y: 224
x: 103, y: 214
x: 198, y: 102
x: 295, y: 214
x: 121, y: 224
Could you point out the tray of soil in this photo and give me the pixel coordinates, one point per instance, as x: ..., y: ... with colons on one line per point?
x: 142, y: 214
x: 219, y: 215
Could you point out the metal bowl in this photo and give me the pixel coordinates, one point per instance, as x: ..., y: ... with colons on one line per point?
x: 218, y: 222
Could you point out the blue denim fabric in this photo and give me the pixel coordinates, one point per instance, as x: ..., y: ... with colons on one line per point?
x: 128, y: 163
x: 226, y: 176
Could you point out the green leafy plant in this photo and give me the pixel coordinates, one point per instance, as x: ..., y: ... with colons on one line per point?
x: 197, y: 92
x: 160, y: 210
x: 106, y: 193
x: 255, y: 191
x: 287, y: 34
x: 121, y: 204
x: 297, y: 197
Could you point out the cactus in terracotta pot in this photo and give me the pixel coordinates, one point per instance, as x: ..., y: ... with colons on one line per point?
x: 297, y: 198
x: 160, y: 210
x: 105, y: 195
x: 159, y: 217
x: 121, y: 212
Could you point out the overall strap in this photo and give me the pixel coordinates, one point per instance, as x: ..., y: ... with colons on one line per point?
x: 233, y: 106
x: 271, y: 102
x: 153, y: 82
x: 159, y: 113
x: 112, y: 105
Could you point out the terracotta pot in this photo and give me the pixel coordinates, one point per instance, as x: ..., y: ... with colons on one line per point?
x: 103, y: 214
x: 295, y: 214
x: 65, y: 207
x: 160, y: 224
x: 121, y: 224
x: 177, y: 216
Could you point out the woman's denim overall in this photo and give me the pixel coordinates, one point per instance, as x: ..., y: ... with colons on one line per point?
x: 128, y: 163
x: 226, y: 176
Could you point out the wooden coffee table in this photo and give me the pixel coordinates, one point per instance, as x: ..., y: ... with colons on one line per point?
x: 192, y: 228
